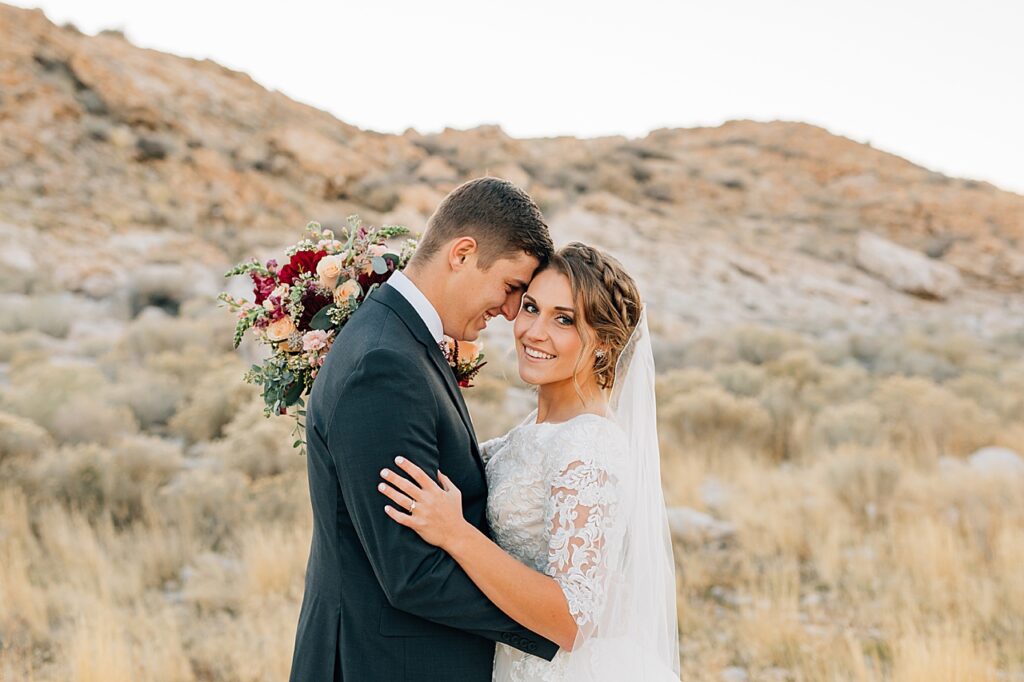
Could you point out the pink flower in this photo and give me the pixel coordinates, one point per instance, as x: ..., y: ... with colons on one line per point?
x: 314, y: 340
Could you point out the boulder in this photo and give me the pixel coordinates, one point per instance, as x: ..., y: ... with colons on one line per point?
x: 906, y: 270
x: 995, y: 461
x: 693, y: 527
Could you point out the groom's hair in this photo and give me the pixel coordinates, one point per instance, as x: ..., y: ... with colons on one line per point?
x: 501, y: 217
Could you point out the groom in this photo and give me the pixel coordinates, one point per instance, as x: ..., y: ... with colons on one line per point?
x: 380, y: 604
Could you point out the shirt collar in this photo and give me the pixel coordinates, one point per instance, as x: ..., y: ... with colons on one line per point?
x: 411, y: 293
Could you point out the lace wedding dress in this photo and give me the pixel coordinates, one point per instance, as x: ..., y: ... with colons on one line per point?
x: 554, y: 505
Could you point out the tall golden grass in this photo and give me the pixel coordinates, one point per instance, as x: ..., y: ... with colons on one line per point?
x: 154, y: 526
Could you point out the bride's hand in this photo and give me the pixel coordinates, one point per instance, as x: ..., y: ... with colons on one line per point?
x: 434, y: 512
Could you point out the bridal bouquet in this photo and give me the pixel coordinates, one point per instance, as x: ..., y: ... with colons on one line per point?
x: 300, y: 306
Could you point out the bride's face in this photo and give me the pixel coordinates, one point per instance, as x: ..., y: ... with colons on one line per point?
x: 547, y: 331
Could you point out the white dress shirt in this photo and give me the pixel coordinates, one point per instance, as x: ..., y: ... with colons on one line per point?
x: 419, y: 302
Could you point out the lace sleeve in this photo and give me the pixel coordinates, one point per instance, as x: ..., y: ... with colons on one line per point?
x: 578, y: 516
x: 489, y: 447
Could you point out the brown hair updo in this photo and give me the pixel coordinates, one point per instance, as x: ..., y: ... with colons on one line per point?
x: 607, y: 299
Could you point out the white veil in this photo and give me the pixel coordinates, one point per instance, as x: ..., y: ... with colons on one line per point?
x: 635, y: 636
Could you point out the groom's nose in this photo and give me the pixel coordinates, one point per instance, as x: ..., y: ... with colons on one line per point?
x: 510, y: 308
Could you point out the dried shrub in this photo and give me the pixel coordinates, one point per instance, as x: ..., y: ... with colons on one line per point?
x: 855, y: 423
x: 50, y: 314
x: 680, y: 381
x: 925, y: 421
x: 21, y: 438
x: 69, y: 401
x: 713, y: 420
x: 989, y: 394
x: 22, y: 342
x: 865, y: 482
x: 207, y: 501
x: 95, y: 480
x: 92, y: 419
x: 740, y: 378
x: 257, y: 446
x: 758, y: 345
x: 212, y: 403
x: 153, y: 397
x: 154, y: 331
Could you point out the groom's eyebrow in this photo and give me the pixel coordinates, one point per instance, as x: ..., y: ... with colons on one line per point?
x: 521, y: 285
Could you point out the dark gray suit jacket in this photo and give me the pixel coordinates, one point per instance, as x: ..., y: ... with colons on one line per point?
x: 380, y: 603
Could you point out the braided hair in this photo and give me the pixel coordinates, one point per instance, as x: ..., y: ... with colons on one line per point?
x: 608, y: 300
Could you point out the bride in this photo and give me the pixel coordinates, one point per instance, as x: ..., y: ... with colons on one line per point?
x: 583, y: 555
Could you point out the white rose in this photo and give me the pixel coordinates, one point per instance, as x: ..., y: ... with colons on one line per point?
x: 329, y: 269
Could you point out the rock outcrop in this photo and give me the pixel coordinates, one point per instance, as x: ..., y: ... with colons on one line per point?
x: 114, y: 157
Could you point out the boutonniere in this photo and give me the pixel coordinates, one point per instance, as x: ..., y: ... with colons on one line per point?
x: 464, y: 357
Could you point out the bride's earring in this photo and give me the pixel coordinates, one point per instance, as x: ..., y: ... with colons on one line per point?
x: 599, y: 354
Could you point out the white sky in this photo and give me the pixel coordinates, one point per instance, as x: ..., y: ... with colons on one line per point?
x: 936, y: 81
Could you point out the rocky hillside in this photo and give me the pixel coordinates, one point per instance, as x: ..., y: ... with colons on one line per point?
x: 145, y: 174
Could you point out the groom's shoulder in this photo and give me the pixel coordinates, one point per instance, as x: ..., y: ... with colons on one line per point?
x: 373, y: 333
x: 375, y: 325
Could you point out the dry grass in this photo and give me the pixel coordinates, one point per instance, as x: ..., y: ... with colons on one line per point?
x: 155, y: 526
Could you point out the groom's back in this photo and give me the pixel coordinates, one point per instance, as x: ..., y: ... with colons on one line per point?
x: 348, y: 627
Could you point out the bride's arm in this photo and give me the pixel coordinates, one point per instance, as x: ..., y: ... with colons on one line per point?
x: 533, y: 599
x: 528, y: 597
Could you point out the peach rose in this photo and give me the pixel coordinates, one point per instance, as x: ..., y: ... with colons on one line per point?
x: 329, y: 269
x: 348, y: 289
x: 469, y: 351
x: 281, y: 330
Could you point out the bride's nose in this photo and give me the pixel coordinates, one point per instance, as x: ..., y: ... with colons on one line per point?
x: 536, y: 331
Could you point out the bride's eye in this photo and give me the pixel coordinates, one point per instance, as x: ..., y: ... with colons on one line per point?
x: 529, y: 307
x: 565, y: 320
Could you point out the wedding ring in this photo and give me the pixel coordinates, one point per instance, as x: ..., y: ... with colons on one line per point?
x: 412, y: 506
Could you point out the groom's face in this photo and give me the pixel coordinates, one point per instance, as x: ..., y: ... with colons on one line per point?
x: 480, y: 294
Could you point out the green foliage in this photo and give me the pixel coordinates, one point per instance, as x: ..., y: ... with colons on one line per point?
x: 322, y: 320
x: 245, y: 267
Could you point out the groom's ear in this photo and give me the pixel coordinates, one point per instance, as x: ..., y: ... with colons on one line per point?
x: 460, y: 252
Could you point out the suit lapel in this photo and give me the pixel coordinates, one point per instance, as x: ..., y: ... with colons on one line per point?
x: 390, y: 297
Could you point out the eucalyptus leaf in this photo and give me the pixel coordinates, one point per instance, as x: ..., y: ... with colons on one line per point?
x: 380, y: 266
x: 293, y: 394
x: 322, y: 320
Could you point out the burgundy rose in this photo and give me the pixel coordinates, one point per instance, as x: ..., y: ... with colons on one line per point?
x: 301, y: 262
x: 313, y: 300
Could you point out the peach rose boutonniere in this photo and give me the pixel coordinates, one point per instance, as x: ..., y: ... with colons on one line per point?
x: 466, y: 358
